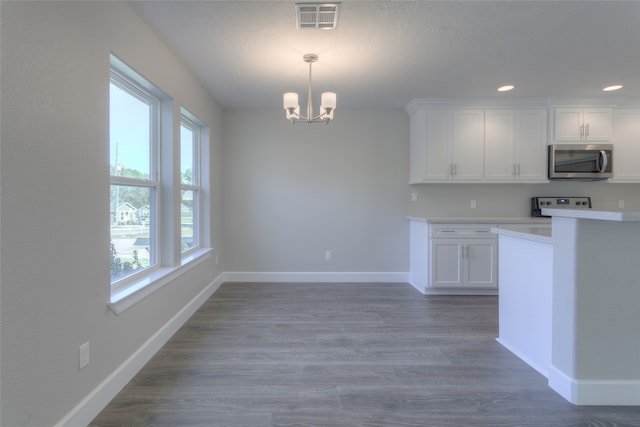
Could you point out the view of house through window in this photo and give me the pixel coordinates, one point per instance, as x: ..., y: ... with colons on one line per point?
x: 134, y: 187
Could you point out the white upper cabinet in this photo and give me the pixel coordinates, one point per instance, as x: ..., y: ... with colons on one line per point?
x: 486, y: 141
x: 446, y: 145
x: 468, y: 145
x: 582, y: 124
x: 626, y: 145
x: 516, y: 146
x: 531, y: 145
x: 437, y: 161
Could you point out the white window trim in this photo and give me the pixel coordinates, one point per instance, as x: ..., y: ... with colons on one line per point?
x: 194, y: 126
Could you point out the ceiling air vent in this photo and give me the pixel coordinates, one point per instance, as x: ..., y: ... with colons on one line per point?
x: 322, y: 16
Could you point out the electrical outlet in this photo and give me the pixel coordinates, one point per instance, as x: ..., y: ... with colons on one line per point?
x: 83, y: 355
x: 621, y: 204
x: 327, y: 255
x: 473, y: 204
x: 414, y: 197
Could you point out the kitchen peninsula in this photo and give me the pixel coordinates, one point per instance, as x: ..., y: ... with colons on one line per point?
x: 570, y: 303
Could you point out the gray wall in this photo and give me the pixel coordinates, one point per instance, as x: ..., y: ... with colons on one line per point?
x: 55, y: 201
x: 292, y: 192
x: 511, y: 200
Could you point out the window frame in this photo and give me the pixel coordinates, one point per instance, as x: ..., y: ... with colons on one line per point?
x: 189, y: 121
x: 136, y: 90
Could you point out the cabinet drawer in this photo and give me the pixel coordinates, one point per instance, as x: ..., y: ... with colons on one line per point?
x: 467, y: 231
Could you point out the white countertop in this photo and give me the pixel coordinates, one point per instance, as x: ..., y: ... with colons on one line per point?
x: 593, y: 214
x: 485, y: 220
x: 541, y: 233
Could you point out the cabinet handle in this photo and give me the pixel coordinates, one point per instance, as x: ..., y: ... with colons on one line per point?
x: 581, y: 131
x: 586, y: 134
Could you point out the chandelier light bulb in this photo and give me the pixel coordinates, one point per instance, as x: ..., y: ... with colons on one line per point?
x: 290, y: 100
x: 328, y: 101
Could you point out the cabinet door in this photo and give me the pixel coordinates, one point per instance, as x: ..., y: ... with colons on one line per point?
x: 567, y: 124
x: 582, y: 124
x: 597, y: 123
x: 468, y: 145
x: 446, y: 258
x: 626, y: 146
x: 531, y: 146
x: 499, y: 145
x: 438, y: 149
x: 480, y: 261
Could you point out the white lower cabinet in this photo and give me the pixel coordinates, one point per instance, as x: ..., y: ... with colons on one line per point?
x: 463, y: 257
x: 464, y: 263
x: 457, y: 257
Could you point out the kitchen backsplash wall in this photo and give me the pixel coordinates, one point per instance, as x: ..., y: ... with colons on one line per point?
x: 511, y: 200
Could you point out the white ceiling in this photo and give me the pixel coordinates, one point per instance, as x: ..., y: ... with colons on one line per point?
x: 385, y: 53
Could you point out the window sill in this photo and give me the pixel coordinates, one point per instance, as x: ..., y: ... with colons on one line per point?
x: 127, y: 297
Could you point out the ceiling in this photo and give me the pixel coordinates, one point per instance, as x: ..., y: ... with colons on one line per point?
x: 385, y: 53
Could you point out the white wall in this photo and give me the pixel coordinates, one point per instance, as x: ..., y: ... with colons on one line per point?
x: 293, y: 192
x: 55, y: 209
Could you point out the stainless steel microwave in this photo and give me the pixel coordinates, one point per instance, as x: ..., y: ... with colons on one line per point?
x: 581, y: 161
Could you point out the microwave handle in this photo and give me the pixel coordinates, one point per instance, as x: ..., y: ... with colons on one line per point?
x: 604, y: 162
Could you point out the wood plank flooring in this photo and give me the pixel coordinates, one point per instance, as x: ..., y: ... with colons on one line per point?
x: 344, y: 355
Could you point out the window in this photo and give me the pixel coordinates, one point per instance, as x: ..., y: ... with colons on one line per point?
x: 189, y: 183
x: 133, y: 143
x: 150, y: 199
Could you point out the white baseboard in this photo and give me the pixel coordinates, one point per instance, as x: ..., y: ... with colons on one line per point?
x: 454, y: 291
x: 595, y: 392
x: 317, y: 277
x: 89, y: 407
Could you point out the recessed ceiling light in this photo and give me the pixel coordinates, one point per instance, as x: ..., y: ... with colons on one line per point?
x: 505, y: 88
x: 613, y: 87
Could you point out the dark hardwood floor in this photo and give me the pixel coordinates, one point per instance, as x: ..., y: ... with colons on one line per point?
x: 344, y: 355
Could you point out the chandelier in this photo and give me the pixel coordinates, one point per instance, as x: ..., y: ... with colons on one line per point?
x: 327, y: 103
